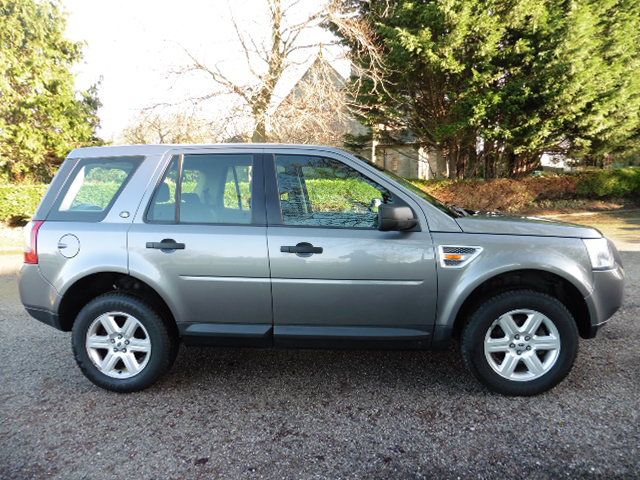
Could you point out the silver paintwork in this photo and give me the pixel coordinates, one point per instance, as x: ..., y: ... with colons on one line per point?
x: 531, y: 226
x: 118, y: 345
x: 522, y: 353
x: 236, y: 274
x: 222, y: 275
x: 363, y: 278
x: 564, y: 257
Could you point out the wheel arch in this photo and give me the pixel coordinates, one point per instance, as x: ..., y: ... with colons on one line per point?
x: 86, y: 288
x: 533, y: 279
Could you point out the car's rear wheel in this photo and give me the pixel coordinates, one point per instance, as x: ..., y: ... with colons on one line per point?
x: 120, y: 343
x: 520, y: 342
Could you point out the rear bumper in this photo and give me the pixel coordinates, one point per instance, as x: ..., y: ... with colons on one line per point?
x: 606, y: 298
x: 44, y: 316
x: 39, y: 297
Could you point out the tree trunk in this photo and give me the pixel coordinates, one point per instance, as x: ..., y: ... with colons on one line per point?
x: 259, y: 113
x: 259, y: 132
x: 451, y: 164
x: 512, y: 161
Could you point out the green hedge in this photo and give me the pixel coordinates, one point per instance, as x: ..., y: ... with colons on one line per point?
x: 19, y: 202
x: 329, y: 195
x: 621, y: 182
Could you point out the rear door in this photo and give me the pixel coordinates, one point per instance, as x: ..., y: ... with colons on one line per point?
x: 335, y: 277
x: 202, y: 240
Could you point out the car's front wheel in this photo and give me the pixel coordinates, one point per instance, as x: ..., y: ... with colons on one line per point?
x: 121, y: 344
x: 520, y: 342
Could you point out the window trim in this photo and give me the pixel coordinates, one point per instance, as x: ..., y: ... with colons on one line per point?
x: 258, y: 215
x: 274, y: 210
x: 91, y: 216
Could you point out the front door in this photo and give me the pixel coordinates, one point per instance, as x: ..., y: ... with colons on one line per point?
x: 336, y: 279
x: 203, y: 239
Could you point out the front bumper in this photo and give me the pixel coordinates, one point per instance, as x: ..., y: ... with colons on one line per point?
x: 606, y: 297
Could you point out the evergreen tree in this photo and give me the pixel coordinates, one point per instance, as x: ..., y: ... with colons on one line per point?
x: 524, y: 76
x: 41, y: 115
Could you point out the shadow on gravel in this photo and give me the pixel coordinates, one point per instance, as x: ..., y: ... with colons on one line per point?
x: 318, y: 370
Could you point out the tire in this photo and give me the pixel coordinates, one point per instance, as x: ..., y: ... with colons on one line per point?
x: 146, y: 344
x: 509, y: 366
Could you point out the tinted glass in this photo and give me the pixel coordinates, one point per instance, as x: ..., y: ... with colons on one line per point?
x: 237, y: 190
x: 163, y: 203
x: 415, y: 189
x: 93, y: 187
x: 213, y: 189
x: 323, y: 192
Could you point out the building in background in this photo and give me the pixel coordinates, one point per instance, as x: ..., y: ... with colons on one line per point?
x: 315, y: 111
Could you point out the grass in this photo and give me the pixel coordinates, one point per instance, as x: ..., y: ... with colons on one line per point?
x: 11, y: 240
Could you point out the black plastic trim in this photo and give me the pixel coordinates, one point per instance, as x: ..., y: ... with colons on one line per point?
x: 594, y: 329
x: 272, y: 198
x: 442, y: 337
x: 46, y: 317
x: 227, y: 334
x: 299, y: 336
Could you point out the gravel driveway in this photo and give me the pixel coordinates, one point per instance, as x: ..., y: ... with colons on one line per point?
x: 244, y: 413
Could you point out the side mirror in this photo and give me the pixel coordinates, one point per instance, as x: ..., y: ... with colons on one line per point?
x: 391, y: 217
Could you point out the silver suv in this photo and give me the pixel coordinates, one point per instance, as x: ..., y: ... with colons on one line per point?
x: 136, y: 248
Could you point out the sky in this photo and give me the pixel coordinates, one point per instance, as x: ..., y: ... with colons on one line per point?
x: 134, y: 48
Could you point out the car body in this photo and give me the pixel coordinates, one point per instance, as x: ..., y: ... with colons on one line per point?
x: 274, y: 245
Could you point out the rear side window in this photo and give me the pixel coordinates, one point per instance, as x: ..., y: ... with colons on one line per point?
x: 207, y: 189
x: 93, y: 187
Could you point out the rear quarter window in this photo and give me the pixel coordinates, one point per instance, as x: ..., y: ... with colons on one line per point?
x: 92, y: 188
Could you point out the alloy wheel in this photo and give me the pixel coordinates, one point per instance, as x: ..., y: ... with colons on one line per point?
x: 118, y: 345
x: 522, y: 345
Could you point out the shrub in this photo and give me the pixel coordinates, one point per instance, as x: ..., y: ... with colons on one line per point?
x: 559, y: 187
x: 500, y: 194
x: 19, y: 202
x: 622, y: 182
x: 98, y: 194
x: 514, y: 195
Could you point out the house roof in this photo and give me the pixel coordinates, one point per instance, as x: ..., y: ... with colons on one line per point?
x: 320, y: 65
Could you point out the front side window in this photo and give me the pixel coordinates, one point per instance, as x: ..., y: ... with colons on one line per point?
x: 323, y: 192
x: 212, y: 189
x: 95, y: 184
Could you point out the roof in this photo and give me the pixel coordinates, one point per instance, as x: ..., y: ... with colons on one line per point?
x: 321, y: 66
x: 124, y: 150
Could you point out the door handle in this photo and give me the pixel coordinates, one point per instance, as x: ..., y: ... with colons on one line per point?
x: 166, y: 245
x: 302, y: 249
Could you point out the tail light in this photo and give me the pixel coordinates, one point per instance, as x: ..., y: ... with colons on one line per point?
x: 31, y: 241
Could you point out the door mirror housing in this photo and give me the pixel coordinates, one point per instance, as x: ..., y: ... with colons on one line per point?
x: 393, y: 217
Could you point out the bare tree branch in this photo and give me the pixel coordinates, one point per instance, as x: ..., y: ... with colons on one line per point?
x: 268, y: 57
x: 245, y: 49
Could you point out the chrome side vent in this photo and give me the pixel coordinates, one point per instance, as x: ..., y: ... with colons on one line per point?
x: 457, y: 256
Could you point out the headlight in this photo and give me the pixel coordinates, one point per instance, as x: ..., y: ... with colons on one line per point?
x: 600, y: 254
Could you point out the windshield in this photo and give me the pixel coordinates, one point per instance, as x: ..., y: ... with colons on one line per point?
x: 410, y: 186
